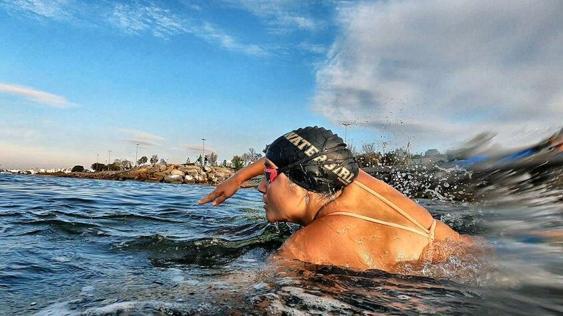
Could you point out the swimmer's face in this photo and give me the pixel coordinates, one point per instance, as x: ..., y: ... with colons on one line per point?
x: 283, y: 201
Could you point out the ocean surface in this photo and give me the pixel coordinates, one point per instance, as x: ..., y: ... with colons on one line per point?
x: 94, y: 247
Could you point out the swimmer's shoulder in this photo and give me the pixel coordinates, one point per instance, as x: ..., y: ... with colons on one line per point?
x: 325, y: 241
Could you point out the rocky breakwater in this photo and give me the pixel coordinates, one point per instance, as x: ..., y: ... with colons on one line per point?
x: 178, y: 174
x: 168, y: 173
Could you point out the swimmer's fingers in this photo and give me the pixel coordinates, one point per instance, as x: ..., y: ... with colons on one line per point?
x: 222, y: 192
x: 219, y: 200
x: 210, y: 197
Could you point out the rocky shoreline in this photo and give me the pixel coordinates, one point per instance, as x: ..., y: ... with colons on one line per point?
x: 166, y: 173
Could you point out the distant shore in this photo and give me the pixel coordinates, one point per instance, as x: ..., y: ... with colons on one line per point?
x: 166, y: 173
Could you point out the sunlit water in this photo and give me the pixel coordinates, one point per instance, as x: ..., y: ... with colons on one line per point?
x: 74, y: 246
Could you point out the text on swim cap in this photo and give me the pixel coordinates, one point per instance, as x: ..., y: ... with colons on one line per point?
x: 343, y: 174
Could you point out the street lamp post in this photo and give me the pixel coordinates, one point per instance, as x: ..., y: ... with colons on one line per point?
x: 346, y: 124
x: 136, y: 153
x: 203, y: 152
x: 109, y: 157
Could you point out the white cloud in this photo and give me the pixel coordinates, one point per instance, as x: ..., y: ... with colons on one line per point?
x: 134, y: 18
x: 281, y: 16
x: 312, y: 48
x: 134, y: 136
x: 35, y: 95
x: 447, y: 69
x: 213, y: 35
x: 54, y: 9
x: 137, y: 18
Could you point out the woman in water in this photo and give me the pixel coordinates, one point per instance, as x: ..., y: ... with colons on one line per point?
x: 349, y: 218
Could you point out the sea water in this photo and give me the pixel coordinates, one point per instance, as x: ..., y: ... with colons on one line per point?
x: 94, y: 247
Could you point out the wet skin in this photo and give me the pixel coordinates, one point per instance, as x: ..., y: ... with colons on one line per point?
x: 342, y: 240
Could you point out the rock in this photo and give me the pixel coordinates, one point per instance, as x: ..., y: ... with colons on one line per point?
x: 162, y: 168
x: 189, y: 179
x: 157, y: 176
x: 200, y: 178
x: 206, y: 168
x: 192, y: 172
x: 211, y: 178
x: 173, y: 178
x: 186, y: 169
x: 177, y: 172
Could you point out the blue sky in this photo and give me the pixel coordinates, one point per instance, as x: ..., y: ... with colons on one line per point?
x: 79, y: 78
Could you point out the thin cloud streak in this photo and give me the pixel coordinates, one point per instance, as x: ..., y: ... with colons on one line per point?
x: 134, y: 136
x: 198, y: 148
x: 53, y: 9
x: 150, y: 18
x: 36, y: 96
x: 281, y: 16
x: 134, y: 18
x: 163, y: 23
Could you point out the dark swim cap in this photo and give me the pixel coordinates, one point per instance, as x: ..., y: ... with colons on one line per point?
x: 314, y: 158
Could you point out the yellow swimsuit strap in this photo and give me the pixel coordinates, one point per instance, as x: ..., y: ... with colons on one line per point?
x: 428, y: 233
x: 378, y: 221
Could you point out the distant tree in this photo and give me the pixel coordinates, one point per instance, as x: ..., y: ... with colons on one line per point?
x: 199, y: 160
x: 188, y: 161
x: 369, y: 157
x: 77, y: 168
x: 142, y: 160
x: 212, y: 158
x: 114, y: 167
x: 119, y: 164
x: 162, y: 161
x: 245, y: 158
x: 126, y: 164
x: 395, y: 157
x: 154, y: 159
x: 250, y: 156
x: 224, y: 163
x: 237, y: 162
x: 368, y: 148
x: 99, y: 167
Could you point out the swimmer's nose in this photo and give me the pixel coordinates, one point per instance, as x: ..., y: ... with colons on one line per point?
x: 262, y: 186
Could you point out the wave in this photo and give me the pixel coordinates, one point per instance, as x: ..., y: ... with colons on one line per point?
x: 318, y: 289
x: 67, y: 227
x: 134, y: 217
x: 205, y: 251
x: 148, y: 307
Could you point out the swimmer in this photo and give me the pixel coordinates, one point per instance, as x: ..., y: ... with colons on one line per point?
x: 349, y: 218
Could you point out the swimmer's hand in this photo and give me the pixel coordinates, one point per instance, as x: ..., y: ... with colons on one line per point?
x: 227, y: 188
x: 223, y: 191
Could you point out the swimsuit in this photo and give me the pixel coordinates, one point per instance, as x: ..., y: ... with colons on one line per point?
x: 420, y: 230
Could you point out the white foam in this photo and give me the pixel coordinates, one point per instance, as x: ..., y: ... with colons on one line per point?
x: 58, y: 309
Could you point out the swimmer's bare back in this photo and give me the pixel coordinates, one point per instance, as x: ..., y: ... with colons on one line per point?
x: 359, y: 244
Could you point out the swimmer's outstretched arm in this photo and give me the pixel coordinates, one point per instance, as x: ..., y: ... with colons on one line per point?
x: 227, y: 188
